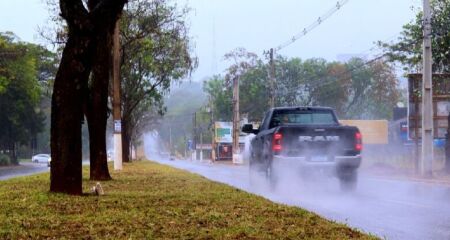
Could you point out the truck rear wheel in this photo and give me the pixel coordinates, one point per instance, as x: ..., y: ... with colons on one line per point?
x: 271, y: 174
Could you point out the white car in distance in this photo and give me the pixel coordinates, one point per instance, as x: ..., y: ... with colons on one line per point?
x: 42, y: 158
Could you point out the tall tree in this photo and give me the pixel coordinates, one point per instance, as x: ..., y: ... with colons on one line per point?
x: 70, y: 88
x: 373, y: 91
x: 408, y: 49
x: 254, y: 89
x: 96, y: 101
x: 156, y: 53
x: 220, y: 95
x: 20, y: 118
x: 96, y: 91
x: 355, y: 89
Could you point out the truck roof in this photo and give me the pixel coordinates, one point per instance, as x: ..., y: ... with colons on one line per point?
x: 302, y: 108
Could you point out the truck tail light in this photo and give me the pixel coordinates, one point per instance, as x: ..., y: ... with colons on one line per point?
x: 276, y: 142
x: 358, y: 141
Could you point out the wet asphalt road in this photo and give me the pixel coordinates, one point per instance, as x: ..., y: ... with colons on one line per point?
x: 24, y: 169
x: 391, y: 209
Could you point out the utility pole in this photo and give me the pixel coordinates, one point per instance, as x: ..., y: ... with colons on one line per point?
x: 213, y: 140
x: 116, y: 101
x: 194, y: 135
x: 201, y: 145
x: 272, y: 79
x: 427, y: 96
x: 185, y: 146
x: 236, y: 149
x: 170, y: 140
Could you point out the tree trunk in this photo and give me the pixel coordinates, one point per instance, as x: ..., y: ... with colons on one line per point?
x: 70, y: 89
x: 67, y: 115
x: 125, y: 141
x: 97, y: 110
x: 105, y: 23
x: 14, y: 160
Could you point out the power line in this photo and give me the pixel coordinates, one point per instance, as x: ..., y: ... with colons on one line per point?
x: 305, y: 31
x: 309, y: 28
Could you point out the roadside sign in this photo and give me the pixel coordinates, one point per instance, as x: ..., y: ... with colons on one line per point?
x: 223, y: 132
x: 117, y: 126
x: 190, y: 145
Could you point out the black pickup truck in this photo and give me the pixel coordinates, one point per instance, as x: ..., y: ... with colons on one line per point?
x: 305, y: 139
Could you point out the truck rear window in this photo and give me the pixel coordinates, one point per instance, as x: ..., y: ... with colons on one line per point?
x: 303, y: 117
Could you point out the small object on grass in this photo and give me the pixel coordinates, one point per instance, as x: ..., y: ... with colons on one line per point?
x: 97, y: 189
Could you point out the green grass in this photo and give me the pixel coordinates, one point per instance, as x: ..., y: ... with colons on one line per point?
x: 23, y: 160
x: 151, y: 201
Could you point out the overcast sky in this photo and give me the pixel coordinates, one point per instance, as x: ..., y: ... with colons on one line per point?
x: 258, y: 25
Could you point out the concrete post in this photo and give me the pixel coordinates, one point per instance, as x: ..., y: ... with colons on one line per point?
x: 427, y: 96
x: 117, y: 115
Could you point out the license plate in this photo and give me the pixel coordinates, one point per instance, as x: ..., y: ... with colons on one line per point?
x: 319, y: 158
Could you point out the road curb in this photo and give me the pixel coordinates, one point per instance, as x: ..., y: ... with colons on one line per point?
x: 433, y: 180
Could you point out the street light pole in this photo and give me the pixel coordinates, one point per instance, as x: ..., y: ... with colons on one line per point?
x: 272, y: 79
x: 213, y: 140
x: 236, y: 120
x: 427, y: 96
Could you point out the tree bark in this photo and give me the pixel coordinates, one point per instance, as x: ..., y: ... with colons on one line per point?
x: 70, y: 91
x: 97, y: 107
x: 67, y: 114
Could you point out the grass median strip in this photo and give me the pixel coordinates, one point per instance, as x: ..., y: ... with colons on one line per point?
x: 148, y: 200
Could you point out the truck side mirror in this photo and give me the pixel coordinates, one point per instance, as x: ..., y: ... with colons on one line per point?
x: 248, y: 128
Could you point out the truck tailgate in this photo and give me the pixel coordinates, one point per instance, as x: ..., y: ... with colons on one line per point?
x: 318, y: 141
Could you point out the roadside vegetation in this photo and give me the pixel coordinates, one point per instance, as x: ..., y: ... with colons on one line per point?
x: 148, y: 200
x: 25, y: 70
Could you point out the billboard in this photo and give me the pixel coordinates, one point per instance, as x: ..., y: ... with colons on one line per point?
x: 223, y: 132
x: 441, y: 105
x: 373, y: 131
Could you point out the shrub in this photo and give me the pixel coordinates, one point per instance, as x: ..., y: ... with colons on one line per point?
x: 4, y: 160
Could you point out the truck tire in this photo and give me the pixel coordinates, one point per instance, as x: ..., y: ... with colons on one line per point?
x: 348, y: 180
x: 271, y: 174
